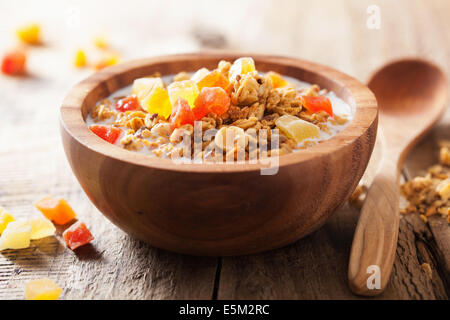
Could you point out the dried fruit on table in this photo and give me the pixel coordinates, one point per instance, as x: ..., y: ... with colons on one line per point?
x: 17, y: 235
x: 181, y: 114
x: 14, y: 62
x: 5, y: 218
x: 30, y: 33
x: 213, y: 99
x: 186, y: 89
x: 77, y: 235
x: 100, y: 42
x: 143, y: 86
x: 41, y: 228
x: 108, y: 133
x: 241, y: 66
x: 108, y: 60
x: 277, y: 80
x: 129, y: 103
x: 316, y: 104
x: 213, y: 79
x: 42, y: 289
x: 56, y: 210
x: 157, y: 101
x: 80, y: 59
x: 297, y: 128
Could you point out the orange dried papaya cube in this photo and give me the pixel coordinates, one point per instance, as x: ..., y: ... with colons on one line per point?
x: 277, y: 80
x: 213, y: 79
x: 56, y: 210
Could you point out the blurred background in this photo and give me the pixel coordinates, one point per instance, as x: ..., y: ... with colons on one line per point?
x: 353, y: 36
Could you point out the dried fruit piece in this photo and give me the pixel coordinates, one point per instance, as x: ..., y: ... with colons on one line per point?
x: 17, y: 235
x: 181, y: 114
x: 80, y: 59
x: 42, y: 289
x: 157, y: 101
x: 241, y: 66
x: 77, y: 235
x: 14, y: 62
x: 143, y: 86
x: 30, y: 33
x: 108, y: 60
x: 316, y: 104
x: 213, y: 79
x: 199, y: 74
x: 100, y: 42
x: 5, y: 219
x: 56, y: 210
x: 296, y: 128
x: 128, y: 104
x: 213, y: 99
x: 41, y: 228
x: 108, y: 133
x: 186, y: 89
x: 277, y: 80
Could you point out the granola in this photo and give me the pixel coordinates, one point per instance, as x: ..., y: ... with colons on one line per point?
x: 235, y: 106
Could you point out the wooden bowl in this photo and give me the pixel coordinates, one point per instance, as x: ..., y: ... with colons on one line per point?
x: 218, y: 209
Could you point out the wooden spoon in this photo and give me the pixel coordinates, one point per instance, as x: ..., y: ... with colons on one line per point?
x: 412, y: 95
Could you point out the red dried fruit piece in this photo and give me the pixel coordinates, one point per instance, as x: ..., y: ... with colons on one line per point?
x: 316, y: 104
x: 181, y: 114
x: 128, y: 104
x: 14, y: 62
x: 214, y: 79
x: 214, y: 100
x: 77, y: 235
x: 107, y: 133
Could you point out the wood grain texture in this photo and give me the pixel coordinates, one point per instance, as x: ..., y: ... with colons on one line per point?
x: 32, y: 161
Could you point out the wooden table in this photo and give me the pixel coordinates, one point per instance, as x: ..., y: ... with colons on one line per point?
x: 32, y: 163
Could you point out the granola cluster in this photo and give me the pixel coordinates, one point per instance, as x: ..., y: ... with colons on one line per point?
x: 256, y: 104
x: 430, y: 194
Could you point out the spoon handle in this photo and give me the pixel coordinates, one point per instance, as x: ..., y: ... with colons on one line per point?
x: 375, y: 240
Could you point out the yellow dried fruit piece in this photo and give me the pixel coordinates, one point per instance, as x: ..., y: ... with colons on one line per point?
x: 277, y: 80
x: 17, y: 235
x: 30, y: 33
x: 41, y: 228
x: 80, y: 59
x: 296, y: 128
x: 241, y: 66
x: 100, y: 42
x: 108, y: 60
x: 5, y: 219
x: 157, y: 101
x: 143, y: 86
x: 200, y: 74
x: 186, y: 89
x: 42, y: 289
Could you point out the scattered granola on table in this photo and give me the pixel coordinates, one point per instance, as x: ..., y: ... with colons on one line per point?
x: 244, y: 114
x: 430, y: 195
